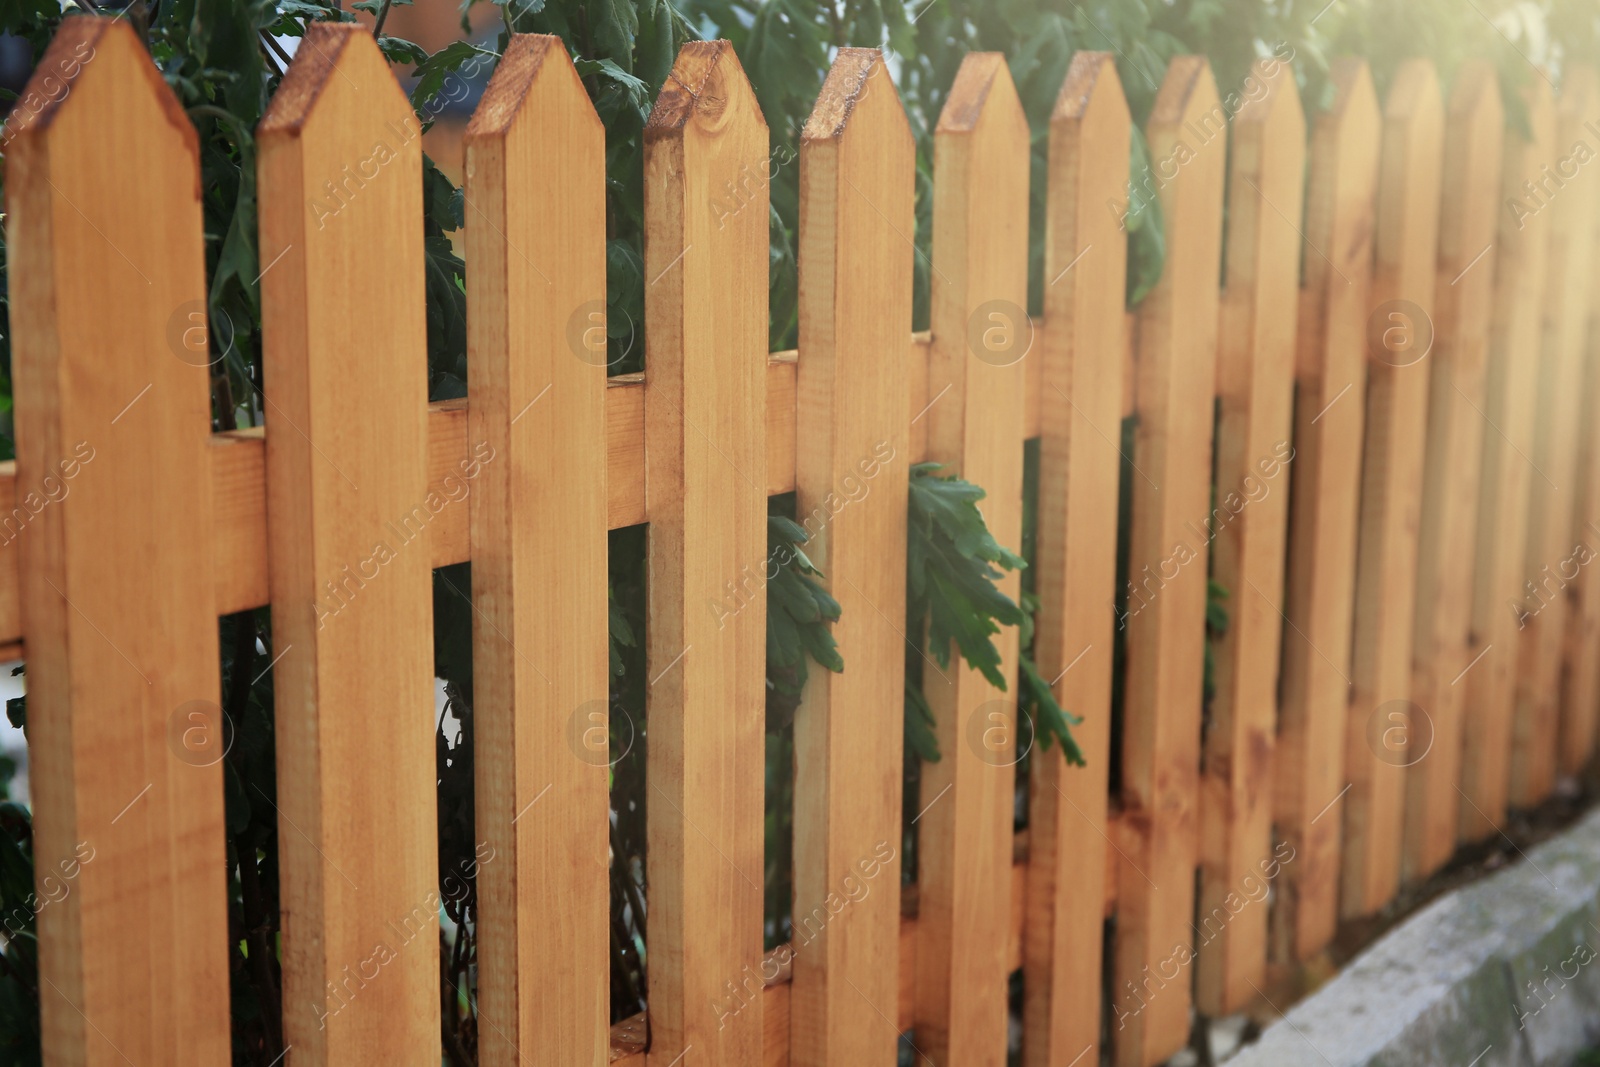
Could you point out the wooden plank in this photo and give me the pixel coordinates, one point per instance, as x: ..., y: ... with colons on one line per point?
x: 535, y: 153
x: 1081, y: 400
x: 348, y: 508
x: 1187, y: 132
x: 1552, y: 558
x: 706, y: 321
x: 857, y: 200
x: 124, y: 725
x: 1329, y: 387
x: 238, y: 473
x: 980, y: 339
x: 1580, y: 701
x: 1247, y: 525
x: 1446, y: 541
x: 1386, y: 730
x: 1510, y: 392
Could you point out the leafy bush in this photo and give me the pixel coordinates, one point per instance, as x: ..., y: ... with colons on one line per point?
x: 951, y: 596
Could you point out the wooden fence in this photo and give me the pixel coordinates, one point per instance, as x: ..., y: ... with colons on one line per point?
x: 1393, y: 398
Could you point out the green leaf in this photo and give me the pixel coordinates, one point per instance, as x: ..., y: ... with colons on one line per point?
x: 400, y: 50
x: 799, y: 610
x: 952, y: 565
x: 432, y: 70
x: 1050, y: 722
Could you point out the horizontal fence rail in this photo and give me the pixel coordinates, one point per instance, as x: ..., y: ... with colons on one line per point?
x: 1373, y: 434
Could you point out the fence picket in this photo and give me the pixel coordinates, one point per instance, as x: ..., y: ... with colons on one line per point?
x: 1392, y: 589
x: 112, y: 418
x: 535, y: 221
x: 1248, y: 522
x: 981, y: 337
x: 705, y: 404
x: 1463, y: 298
x: 1330, y: 383
x: 1542, y: 588
x: 1085, y: 266
x: 1165, y: 621
x: 1385, y: 729
x: 1510, y: 392
x: 858, y: 171
x: 348, y: 530
x: 1580, y: 698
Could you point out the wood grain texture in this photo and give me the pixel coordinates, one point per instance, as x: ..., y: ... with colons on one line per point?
x: 239, y: 490
x: 1567, y: 193
x: 1080, y: 401
x: 628, y: 1036
x: 980, y: 252
x: 1463, y: 298
x: 705, y: 399
x: 1386, y: 731
x: 535, y: 221
x: 1580, y: 697
x: 1247, y: 527
x: 1329, y: 389
x: 857, y: 190
x: 348, y: 514
x: 1504, y: 485
x: 113, y: 411
x: 1165, y: 620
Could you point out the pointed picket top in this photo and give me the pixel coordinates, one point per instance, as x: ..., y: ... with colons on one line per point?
x: 90, y: 48
x: 849, y: 84
x: 708, y: 84
x: 520, y: 73
x: 1275, y: 108
x: 1092, y: 87
x: 1476, y: 93
x: 1343, y: 137
x: 1269, y: 157
x: 1354, y: 97
x: 1188, y: 137
x: 968, y: 102
x: 980, y: 132
x: 1414, y: 91
x: 333, y: 58
x: 1188, y: 91
x: 1413, y: 134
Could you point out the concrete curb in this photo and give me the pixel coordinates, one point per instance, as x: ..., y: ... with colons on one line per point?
x: 1504, y: 972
